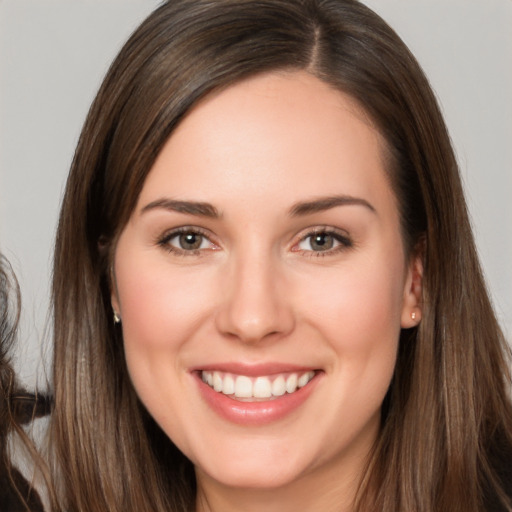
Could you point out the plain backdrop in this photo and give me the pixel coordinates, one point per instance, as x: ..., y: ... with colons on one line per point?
x: 54, y: 53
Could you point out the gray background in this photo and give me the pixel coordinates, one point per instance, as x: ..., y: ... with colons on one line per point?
x: 53, y: 55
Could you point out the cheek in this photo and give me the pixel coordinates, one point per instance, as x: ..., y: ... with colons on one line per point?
x: 161, y: 311
x: 160, y: 308
x: 358, y: 306
x: 358, y: 310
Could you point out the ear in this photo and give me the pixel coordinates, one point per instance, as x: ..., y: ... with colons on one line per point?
x: 412, y: 303
x: 104, y: 244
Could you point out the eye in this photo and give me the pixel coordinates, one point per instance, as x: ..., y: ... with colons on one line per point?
x: 324, y: 241
x: 186, y: 241
x: 189, y: 241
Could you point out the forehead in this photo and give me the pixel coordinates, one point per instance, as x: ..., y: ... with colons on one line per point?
x: 279, y: 136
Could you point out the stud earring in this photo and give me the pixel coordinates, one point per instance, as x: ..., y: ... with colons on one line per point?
x: 413, y: 315
x: 117, y: 318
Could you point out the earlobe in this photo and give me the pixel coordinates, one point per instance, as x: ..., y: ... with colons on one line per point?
x: 412, y: 304
x: 114, y: 299
x: 115, y: 307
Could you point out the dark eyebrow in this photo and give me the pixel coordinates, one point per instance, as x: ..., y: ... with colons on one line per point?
x: 326, y: 203
x: 188, y: 207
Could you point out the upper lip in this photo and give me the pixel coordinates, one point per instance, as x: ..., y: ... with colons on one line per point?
x: 253, y: 370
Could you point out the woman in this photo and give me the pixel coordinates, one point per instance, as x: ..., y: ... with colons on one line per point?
x: 266, y: 291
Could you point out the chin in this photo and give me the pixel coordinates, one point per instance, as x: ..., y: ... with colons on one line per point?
x: 255, y: 478
x: 261, y: 469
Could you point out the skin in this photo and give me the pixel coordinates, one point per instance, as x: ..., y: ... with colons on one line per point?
x: 257, y: 291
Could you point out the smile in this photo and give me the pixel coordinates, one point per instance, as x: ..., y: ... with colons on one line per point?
x: 256, y: 396
x: 244, y: 388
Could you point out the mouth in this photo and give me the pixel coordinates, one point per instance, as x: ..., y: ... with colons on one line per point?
x: 254, y: 389
x: 256, y: 396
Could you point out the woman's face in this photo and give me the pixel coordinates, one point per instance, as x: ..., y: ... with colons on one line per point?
x: 262, y: 284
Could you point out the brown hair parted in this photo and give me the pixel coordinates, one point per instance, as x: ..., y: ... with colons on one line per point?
x: 447, y: 419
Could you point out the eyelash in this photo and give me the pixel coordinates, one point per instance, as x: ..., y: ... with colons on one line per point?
x: 342, y: 239
x: 164, y: 240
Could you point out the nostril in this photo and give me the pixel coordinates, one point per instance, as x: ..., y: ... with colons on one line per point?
x: 254, y: 308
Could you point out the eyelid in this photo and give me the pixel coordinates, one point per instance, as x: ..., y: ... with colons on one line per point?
x: 340, y: 235
x: 163, y: 239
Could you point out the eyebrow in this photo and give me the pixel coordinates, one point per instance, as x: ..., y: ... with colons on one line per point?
x: 326, y: 203
x: 188, y: 207
x: 202, y: 209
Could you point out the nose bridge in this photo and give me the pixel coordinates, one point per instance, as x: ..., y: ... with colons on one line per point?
x: 255, y: 304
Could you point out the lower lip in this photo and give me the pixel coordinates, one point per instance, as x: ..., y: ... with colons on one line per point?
x: 255, y: 413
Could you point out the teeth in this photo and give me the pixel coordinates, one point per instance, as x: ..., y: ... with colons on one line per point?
x: 217, y: 381
x: 241, y: 386
x: 262, y: 388
x: 303, y: 380
x: 279, y: 386
x: 291, y: 383
x: 228, y: 386
x: 207, y: 378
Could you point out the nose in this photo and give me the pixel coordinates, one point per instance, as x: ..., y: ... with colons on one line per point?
x: 256, y: 304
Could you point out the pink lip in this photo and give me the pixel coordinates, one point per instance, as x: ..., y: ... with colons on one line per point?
x: 254, y: 413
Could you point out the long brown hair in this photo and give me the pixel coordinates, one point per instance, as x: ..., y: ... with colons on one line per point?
x: 447, y: 418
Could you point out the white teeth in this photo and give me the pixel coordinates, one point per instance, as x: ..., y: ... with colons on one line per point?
x: 304, y: 379
x: 217, y: 381
x: 262, y: 388
x: 291, y: 383
x: 242, y: 386
x: 228, y: 386
x: 279, y: 386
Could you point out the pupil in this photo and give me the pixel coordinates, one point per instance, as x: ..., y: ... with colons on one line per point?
x: 322, y: 242
x: 190, y: 241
